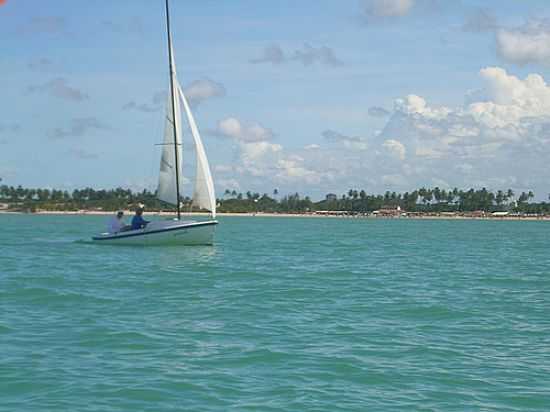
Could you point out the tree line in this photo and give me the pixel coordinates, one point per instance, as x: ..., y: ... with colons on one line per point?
x: 358, y: 201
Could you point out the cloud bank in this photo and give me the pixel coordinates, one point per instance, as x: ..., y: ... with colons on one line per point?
x: 499, y: 138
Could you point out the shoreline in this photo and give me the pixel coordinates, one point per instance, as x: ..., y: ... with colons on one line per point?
x: 286, y: 215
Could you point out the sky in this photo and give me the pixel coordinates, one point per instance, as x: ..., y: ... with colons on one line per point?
x: 311, y: 96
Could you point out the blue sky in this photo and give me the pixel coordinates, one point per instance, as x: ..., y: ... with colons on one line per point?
x: 309, y: 96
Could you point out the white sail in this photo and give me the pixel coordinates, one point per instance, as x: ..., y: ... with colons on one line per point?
x: 168, y: 175
x: 203, y: 194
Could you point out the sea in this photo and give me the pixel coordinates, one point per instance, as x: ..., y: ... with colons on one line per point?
x: 281, y: 314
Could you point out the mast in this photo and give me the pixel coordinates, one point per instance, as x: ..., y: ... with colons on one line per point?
x: 173, y: 109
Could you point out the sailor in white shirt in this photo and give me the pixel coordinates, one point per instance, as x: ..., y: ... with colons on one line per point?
x: 116, y: 224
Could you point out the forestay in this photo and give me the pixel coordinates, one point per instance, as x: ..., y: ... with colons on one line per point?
x: 204, y: 196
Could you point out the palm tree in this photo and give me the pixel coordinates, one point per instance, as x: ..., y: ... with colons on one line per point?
x: 443, y: 195
x: 437, y: 194
x: 413, y: 198
x: 523, y: 198
x: 422, y: 193
x: 509, y: 194
x: 499, y: 198
x: 429, y: 196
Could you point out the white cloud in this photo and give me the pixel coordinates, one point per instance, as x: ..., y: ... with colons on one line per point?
x: 293, y: 169
x: 529, y: 43
x: 388, y: 8
x: 196, y: 92
x: 228, y: 184
x: 501, y: 135
x: 258, y: 158
x: 413, y: 104
x: 395, y: 148
x: 223, y: 168
x: 376, y: 111
x: 59, y: 88
x: 350, y: 142
x: 271, y: 54
x: 252, y: 152
x: 202, y: 89
x: 235, y: 129
x: 79, y: 127
x: 307, y: 55
x: 510, y: 99
x: 393, y: 180
x: 428, y: 153
x: 261, y: 161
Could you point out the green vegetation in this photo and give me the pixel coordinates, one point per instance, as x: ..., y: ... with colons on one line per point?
x: 358, y: 201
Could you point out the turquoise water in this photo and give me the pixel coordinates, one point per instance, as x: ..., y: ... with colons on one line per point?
x: 283, y: 314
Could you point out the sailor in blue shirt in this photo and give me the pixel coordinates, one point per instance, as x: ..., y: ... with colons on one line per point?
x: 138, y: 222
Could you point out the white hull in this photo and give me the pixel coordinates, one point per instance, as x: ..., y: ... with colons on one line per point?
x: 164, y: 233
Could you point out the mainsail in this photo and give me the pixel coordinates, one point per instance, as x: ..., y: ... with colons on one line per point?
x: 171, y: 160
x: 204, y: 196
x: 168, y: 176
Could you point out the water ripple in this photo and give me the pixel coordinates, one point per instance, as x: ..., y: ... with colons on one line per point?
x: 282, y: 314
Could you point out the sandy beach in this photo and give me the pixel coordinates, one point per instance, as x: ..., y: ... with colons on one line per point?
x: 296, y: 215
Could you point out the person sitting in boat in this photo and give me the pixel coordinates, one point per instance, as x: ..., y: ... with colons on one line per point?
x: 117, y: 224
x: 138, y: 222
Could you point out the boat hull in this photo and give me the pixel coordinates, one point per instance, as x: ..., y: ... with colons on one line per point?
x: 164, y: 233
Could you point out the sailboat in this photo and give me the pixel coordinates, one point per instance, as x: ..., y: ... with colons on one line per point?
x: 176, y: 231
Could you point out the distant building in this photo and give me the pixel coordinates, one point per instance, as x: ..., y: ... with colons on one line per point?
x: 331, y: 197
x: 475, y: 213
x: 332, y: 212
x: 389, y: 211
